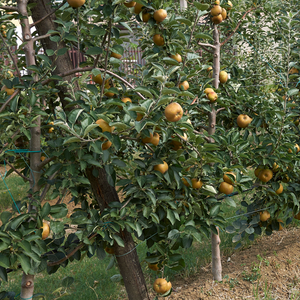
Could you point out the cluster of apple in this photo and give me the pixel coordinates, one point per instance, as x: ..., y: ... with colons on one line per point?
x: 226, y: 186
x: 219, y: 13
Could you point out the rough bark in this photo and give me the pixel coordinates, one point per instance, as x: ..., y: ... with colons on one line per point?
x: 27, y: 285
x: 215, y: 239
x: 127, y: 258
x: 62, y: 63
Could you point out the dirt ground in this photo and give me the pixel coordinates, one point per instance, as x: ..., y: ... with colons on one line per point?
x: 269, y: 269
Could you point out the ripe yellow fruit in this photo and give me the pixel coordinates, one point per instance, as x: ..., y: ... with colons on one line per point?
x: 104, y: 125
x: 173, y: 112
x: 46, y: 230
x: 8, y: 91
x: 185, y: 182
x: 162, y: 168
x: 257, y: 171
x: 153, y: 267
x: 223, y: 76
x: 216, y: 10
x: 106, y: 145
x: 265, y: 175
x: 208, y: 90
x: 280, y: 189
x: 109, y: 250
x: 158, y: 40
x: 230, y: 5
x: 139, y: 116
x: 217, y: 19
x: 115, y: 55
x: 130, y: 4
x: 97, y: 79
x: 160, y: 15
x: 264, y: 216
x: 224, y: 13
x: 184, y: 85
x: 196, y: 184
x: 212, y: 97
x: 146, y: 17
x: 76, y: 3
x: 280, y: 224
x: 153, y: 139
x: 227, y: 179
x: 225, y: 188
x: 243, y: 120
x: 297, y: 149
x: 161, y: 286
x: 177, y: 57
x: 138, y: 8
x: 297, y: 216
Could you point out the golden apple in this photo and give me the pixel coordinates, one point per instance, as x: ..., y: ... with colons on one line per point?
x: 184, y: 85
x: 146, y: 17
x: 265, y: 175
x: 76, y: 3
x: 130, y: 4
x: 230, y: 5
x: 115, y: 55
x: 212, y: 97
x: 264, y: 216
x: 196, y: 184
x: 243, y: 120
x: 97, y: 79
x: 160, y: 15
x: 158, y: 40
x: 217, y: 19
x: 177, y: 57
x: 162, y: 168
x: 216, y: 10
x: 227, y: 179
x: 173, y: 112
x: 46, y: 230
x: 223, y: 76
x: 161, y: 286
x: 153, y: 139
x: 104, y: 126
x: 106, y: 145
x: 138, y: 8
x: 208, y: 90
x: 225, y: 188
x: 280, y: 189
x: 224, y: 13
x: 8, y: 91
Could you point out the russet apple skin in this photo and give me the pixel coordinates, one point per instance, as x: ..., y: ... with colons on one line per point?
x: 173, y: 112
x: 158, y: 40
x: 243, y: 120
x: 265, y: 175
x: 225, y: 188
x: 160, y: 15
x: 223, y: 76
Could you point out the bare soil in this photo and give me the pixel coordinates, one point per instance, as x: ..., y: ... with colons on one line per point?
x: 269, y: 269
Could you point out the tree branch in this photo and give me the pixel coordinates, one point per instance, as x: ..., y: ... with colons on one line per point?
x: 11, y: 56
x: 219, y: 109
x: 20, y: 174
x: 206, y: 45
x: 237, y: 26
x: 46, y: 16
x: 16, y: 92
x: 42, y: 37
x: 10, y: 8
x: 44, y: 162
x: 77, y: 70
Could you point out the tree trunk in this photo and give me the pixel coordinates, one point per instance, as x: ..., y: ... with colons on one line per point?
x: 127, y: 257
x: 27, y: 286
x: 63, y: 63
x: 215, y: 239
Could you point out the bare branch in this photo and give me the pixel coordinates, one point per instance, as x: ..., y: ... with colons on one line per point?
x: 237, y: 26
x: 207, y: 50
x: 77, y: 70
x: 58, y: 262
x: 45, y: 161
x: 19, y: 173
x: 42, y: 37
x: 206, y: 45
x: 220, y: 109
x: 16, y: 92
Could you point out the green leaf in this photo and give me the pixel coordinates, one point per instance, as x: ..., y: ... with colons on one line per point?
x: 173, y: 234
x: 89, y: 129
x: 144, y: 91
x: 191, y: 56
x: 230, y: 202
x: 45, y: 210
x: 203, y: 36
x: 111, y: 263
x: 170, y: 216
x: 4, y: 261
x: 201, y: 6
x: 94, y: 51
x: 72, y: 139
x: 62, y: 51
x: 119, y: 241
x: 3, y: 274
x: 171, y: 61
x: 215, y: 210
x: 67, y: 281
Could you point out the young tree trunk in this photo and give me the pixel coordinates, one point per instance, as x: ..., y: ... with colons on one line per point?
x: 127, y: 257
x: 27, y: 286
x: 215, y: 239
